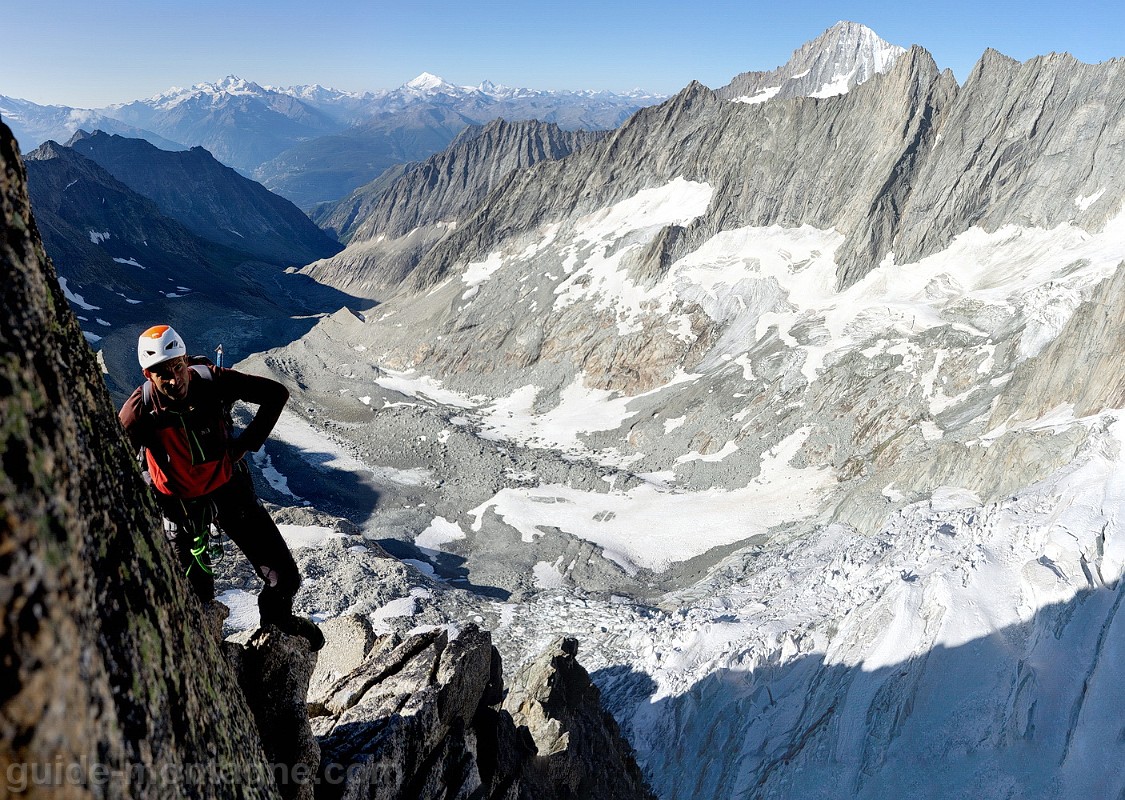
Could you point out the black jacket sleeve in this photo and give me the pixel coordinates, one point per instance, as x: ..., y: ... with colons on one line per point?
x: 267, y: 394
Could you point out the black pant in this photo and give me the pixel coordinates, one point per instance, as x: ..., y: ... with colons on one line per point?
x: 235, y: 508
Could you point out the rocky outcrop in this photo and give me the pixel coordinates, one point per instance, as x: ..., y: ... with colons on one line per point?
x: 579, y: 745
x: 210, y: 199
x: 422, y: 718
x: 274, y: 671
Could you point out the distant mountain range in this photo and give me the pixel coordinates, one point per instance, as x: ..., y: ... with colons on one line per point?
x: 313, y: 144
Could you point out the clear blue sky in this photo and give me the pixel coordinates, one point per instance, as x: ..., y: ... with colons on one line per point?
x: 88, y: 53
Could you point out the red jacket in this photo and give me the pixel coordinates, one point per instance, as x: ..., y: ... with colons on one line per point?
x: 188, y: 443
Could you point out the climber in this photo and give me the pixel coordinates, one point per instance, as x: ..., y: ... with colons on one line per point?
x: 180, y: 419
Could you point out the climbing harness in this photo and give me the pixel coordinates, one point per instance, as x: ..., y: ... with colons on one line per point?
x: 207, y: 537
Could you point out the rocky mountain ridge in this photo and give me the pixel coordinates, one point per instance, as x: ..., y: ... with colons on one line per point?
x: 123, y: 260
x: 212, y: 200
x: 413, y: 209
x: 848, y: 47
x: 895, y: 174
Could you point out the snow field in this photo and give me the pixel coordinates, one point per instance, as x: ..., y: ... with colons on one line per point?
x: 651, y: 528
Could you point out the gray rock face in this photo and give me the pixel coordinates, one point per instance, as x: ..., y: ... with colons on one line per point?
x: 772, y: 163
x: 402, y: 725
x: 1037, y: 143
x: 458, y: 179
x: 841, y: 58
x: 430, y: 197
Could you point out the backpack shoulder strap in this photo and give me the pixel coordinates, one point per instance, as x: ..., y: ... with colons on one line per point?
x: 205, y: 368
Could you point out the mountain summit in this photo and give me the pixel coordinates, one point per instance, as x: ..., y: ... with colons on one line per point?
x: 427, y: 82
x: 844, y: 56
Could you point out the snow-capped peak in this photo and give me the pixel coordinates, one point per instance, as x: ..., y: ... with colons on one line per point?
x: 844, y: 56
x: 427, y: 82
x: 230, y: 85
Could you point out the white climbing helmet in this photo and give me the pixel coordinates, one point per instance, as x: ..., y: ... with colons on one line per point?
x: 158, y: 344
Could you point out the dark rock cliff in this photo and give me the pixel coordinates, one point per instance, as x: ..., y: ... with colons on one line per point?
x: 109, y: 671
x: 88, y: 218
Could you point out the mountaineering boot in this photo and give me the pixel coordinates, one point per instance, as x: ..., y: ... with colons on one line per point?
x: 299, y: 626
